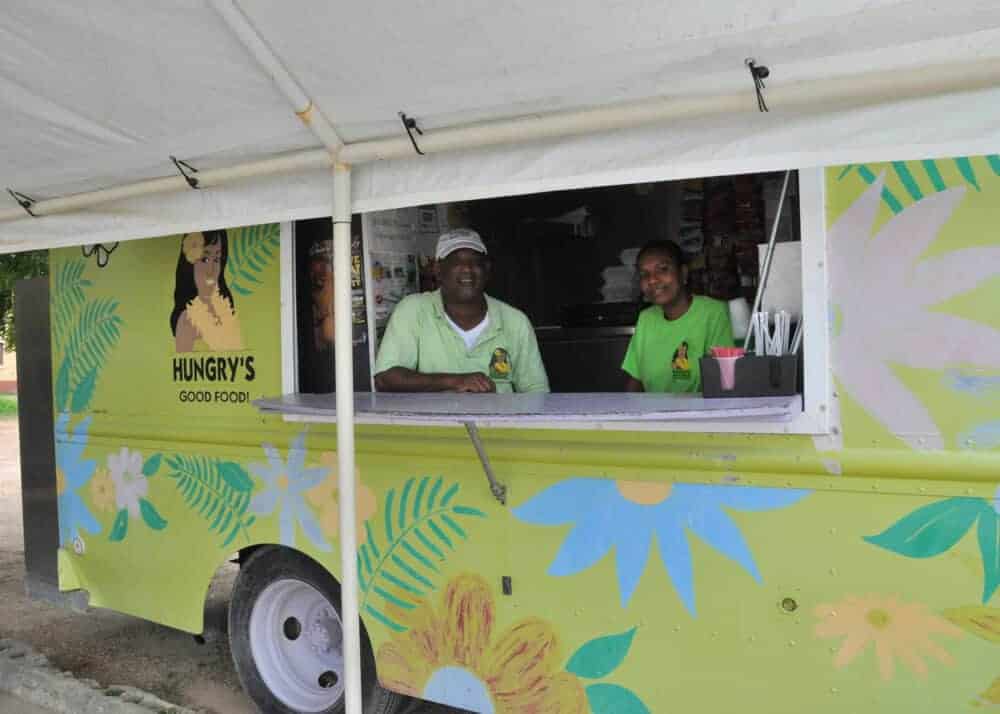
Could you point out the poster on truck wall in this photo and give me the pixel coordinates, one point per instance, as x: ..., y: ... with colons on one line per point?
x: 181, y: 324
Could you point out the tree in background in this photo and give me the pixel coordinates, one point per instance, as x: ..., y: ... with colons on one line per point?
x: 14, y: 267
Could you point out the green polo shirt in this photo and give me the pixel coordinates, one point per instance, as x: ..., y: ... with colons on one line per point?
x: 419, y: 338
x: 663, y: 354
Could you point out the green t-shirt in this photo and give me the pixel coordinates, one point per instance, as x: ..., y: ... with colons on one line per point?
x: 663, y: 354
x: 419, y: 337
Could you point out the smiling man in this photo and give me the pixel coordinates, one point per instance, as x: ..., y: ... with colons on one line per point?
x: 458, y: 338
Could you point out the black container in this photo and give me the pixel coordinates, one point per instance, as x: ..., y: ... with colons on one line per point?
x: 755, y: 377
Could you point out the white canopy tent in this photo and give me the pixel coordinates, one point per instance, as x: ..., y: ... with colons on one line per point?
x: 100, y: 94
x: 514, y: 97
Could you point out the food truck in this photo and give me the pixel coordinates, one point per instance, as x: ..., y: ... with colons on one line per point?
x: 196, y: 372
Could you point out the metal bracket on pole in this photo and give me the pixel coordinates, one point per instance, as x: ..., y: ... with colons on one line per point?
x: 184, y: 167
x: 410, y: 124
x: 25, y: 202
x: 498, y: 489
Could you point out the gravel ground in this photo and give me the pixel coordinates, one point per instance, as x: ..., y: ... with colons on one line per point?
x: 105, y: 646
x: 12, y: 705
x: 117, y: 650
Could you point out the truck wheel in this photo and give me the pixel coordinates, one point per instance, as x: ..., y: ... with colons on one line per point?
x: 286, y: 638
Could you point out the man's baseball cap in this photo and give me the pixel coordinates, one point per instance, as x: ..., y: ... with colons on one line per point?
x: 457, y: 239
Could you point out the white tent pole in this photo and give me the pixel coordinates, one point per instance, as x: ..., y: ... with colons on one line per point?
x: 836, y: 94
x: 343, y: 339
x: 304, y: 107
x: 289, y: 163
x: 343, y: 347
x: 839, y: 93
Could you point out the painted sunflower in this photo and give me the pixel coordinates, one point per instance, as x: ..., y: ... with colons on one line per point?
x: 451, y: 653
x: 897, y: 629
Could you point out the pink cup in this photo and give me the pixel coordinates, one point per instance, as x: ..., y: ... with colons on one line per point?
x: 727, y: 372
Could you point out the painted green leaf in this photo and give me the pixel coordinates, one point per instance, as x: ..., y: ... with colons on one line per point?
x: 62, y: 386
x: 468, y: 511
x: 216, y: 490
x: 152, y: 517
x: 601, y: 656
x: 251, y: 251
x: 120, y: 527
x: 982, y: 622
x: 989, y: 548
x: 384, y: 619
x: 403, y: 501
x: 94, y: 333
x: 613, y: 699
x: 83, y: 392
x: 371, y: 540
x: 152, y: 465
x: 405, y: 566
x: 389, y: 537
x: 68, y: 297
x: 418, y: 500
x: 236, y: 476
x: 930, y: 530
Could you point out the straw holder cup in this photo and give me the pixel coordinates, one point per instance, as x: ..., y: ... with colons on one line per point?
x: 755, y: 376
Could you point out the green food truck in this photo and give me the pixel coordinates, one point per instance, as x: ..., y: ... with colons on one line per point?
x: 197, y: 387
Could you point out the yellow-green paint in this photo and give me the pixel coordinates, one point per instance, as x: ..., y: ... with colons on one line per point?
x: 761, y: 626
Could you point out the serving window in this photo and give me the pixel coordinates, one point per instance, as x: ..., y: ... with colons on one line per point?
x: 567, y: 260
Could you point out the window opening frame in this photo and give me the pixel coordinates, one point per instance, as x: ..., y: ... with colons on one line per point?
x: 815, y: 418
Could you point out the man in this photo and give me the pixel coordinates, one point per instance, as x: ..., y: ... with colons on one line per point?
x: 457, y: 338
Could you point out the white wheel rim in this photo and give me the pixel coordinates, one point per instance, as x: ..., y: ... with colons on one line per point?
x: 296, y: 642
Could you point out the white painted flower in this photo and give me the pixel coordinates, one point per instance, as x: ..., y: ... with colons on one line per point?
x: 130, y: 484
x: 886, y: 293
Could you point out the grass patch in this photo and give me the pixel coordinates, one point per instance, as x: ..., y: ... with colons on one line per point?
x: 8, y: 406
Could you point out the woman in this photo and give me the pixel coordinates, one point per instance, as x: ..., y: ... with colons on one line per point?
x: 204, y: 318
x: 676, y: 330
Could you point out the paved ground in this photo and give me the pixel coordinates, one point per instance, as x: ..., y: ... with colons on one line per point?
x: 10, y: 705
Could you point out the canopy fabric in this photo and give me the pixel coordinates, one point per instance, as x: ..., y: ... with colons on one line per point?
x: 101, y: 93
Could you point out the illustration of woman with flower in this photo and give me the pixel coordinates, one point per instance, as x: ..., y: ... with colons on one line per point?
x: 204, y: 317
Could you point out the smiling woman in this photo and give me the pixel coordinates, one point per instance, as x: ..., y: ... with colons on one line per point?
x: 676, y: 323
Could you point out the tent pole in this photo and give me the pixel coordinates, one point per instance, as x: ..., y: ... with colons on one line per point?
x: 305, y: 109
x: 344, y: 385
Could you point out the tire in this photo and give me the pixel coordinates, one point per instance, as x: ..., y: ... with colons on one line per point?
x: 284, y: 632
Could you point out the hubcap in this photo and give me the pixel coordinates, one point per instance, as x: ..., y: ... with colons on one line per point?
x: 296, y: 640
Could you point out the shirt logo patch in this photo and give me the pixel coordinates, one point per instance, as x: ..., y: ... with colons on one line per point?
x: 500, y: 367
x: 680, y: 363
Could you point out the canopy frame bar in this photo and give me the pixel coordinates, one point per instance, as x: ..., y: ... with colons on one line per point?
x: 843, y: 92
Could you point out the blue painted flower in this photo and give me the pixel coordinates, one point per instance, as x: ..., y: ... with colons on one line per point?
x: 626, y: 514
x: 286, y: 483
x: 72, y: 473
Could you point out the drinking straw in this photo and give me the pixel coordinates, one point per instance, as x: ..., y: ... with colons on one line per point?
x: 770, y: 252
x: 797, y: 340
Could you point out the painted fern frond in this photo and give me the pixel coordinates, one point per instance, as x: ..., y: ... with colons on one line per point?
x: 68, y: 297
x: 398, y: 562
x: 912, y: 181
x: 251, y: 251
x: 96, y: 331
x: 217, y: 491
